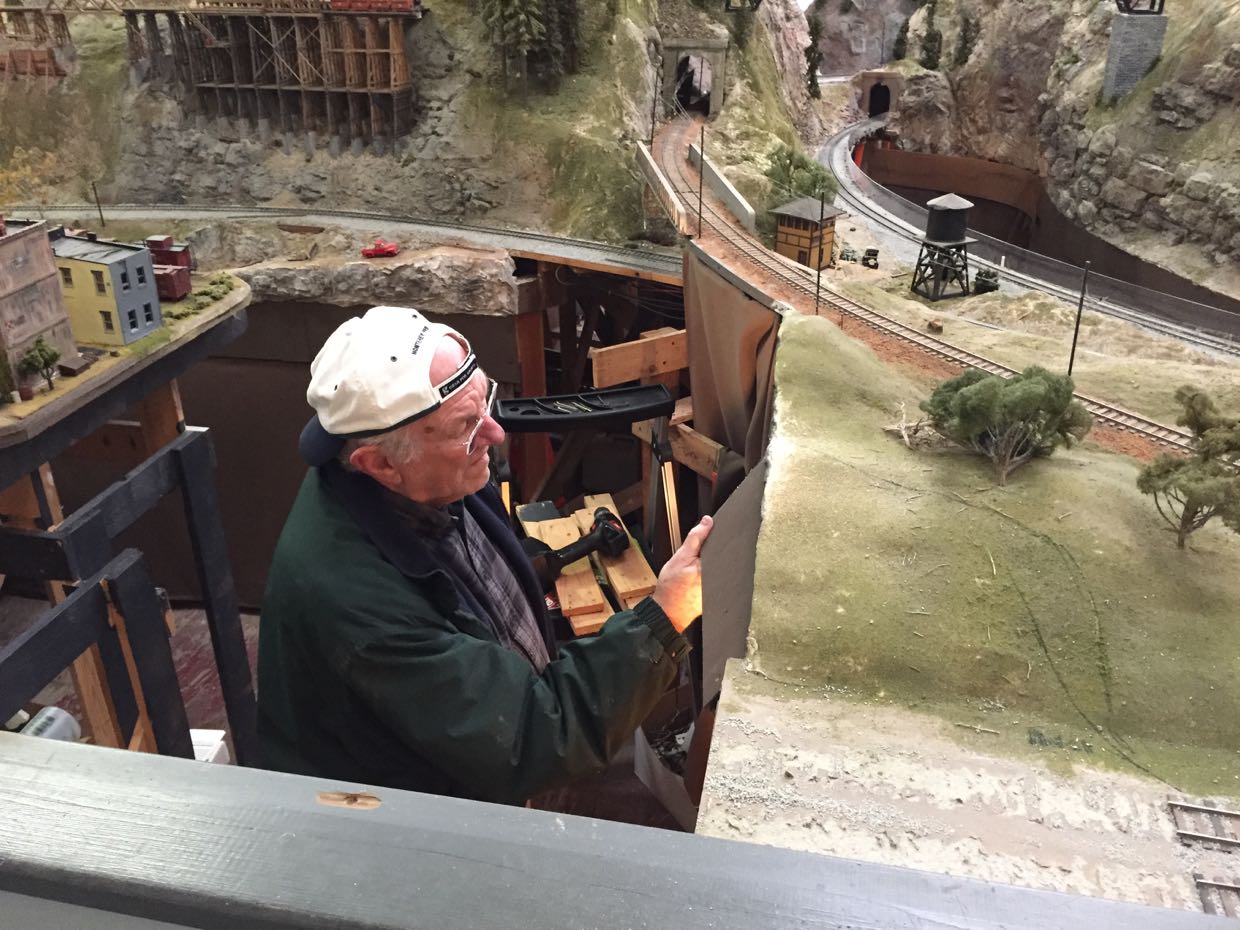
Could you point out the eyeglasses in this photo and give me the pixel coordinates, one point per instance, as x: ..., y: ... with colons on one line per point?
x: 473, y: 433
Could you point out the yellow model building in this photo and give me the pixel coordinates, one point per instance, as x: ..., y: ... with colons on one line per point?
x: 801, y: 236
x: 109, y: 288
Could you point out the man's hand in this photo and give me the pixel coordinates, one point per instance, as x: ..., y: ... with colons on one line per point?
x: 679, y: 589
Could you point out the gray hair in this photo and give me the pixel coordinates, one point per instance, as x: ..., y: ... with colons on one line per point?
x: 398, y: 445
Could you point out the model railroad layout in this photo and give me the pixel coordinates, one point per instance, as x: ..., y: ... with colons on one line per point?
x: 1208, y: 825
x: 675, y: 142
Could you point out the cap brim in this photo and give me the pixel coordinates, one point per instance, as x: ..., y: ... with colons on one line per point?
x: 317, y: 445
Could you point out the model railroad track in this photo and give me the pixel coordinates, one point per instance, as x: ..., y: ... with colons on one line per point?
x: 1206, y: 824
x: 1219, y: 896
x: 671, y: 154
x: 837, y: 155
x: 630, y: 256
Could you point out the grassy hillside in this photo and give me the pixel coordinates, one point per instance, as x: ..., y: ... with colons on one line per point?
x: 1055, y: 611
x: 1115, y: 361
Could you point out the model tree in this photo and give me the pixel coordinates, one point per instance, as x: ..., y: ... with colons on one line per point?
x: 932, y: 41
x: 1191, y: 491
x: 1011, y: 421
x: 517, y: 27
x: 900, y: 49
x: 967, y: 39
x: 793, y: 175
x: 813, y: 51
x: 40, y: 359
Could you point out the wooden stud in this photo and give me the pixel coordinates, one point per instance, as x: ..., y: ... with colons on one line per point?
x: 672, y: 505
x: 631, y: 361
x: 629, y: 574
x: 160, y: 417
x: 142, y: 738
x: 581, y: 599
x: 696, y: 451
x: 21, y: 504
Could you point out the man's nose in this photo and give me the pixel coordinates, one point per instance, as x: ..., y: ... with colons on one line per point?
x: 491, y: 432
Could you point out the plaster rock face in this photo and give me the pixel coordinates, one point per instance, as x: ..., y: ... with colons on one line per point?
x: 925, y: 118
x: 440, y: 280
x: 1125, y: 196
x: 1150, y: 178
x: 789, y: 34
x: 1028, y: 96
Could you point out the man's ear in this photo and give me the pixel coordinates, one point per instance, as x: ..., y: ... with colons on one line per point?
x: 373, y: 461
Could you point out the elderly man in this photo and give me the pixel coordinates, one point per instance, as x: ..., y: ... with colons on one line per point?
x: 403, y: 638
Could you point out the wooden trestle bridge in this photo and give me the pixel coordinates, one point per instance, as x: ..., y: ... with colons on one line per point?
x: 325, y: 68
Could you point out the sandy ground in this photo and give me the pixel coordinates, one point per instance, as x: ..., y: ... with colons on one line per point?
x: 886, y: 785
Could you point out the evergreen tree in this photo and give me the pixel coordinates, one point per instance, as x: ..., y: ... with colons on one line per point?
x: 517, y: 27
x: 548, y: 56
x: 900, y: 49
x: 742, y: 26
x: 813, y: 52
x: 1190, y: 492
x: 932, y: 41
x: 968, y: 38
x: 1008, y: 420
x: 570, y: 34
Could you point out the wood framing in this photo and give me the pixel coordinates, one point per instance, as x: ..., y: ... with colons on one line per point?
x: 642, y: 358
x: 292, y: 69
x: 696, y: 451
x: 80, y: 546
x: 119, y: 604
x: 629, y: 573
x: 581, y: 599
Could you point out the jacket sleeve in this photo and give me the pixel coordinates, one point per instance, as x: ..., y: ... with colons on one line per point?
x: 480, y: 714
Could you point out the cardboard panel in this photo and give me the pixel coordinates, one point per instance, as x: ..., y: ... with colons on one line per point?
x: 728, y: 560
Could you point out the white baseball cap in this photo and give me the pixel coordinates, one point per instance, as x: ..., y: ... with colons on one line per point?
x: 373, y: 375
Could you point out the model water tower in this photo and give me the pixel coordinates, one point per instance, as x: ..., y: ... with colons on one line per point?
x: 943, y: 263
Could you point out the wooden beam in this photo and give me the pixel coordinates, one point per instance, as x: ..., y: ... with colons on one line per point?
x: 581, y: 599
x: 628, y: 501
x: 629, y: 574
x: 675, y: 279
x: 22, y: 507
x: 160, y: 417
x: 119, y: 441
x: 529, y: 295
x: 696, y: 451
x: 631, y: 361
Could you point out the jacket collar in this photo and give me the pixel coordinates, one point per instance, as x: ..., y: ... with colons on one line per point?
x: 363, y: 499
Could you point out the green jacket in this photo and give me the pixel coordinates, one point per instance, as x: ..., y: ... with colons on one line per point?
x: 372, y: 670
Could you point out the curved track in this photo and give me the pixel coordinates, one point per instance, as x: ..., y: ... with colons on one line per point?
x: 664, y: 264
x: 670, y: 152
x: 836, y: 155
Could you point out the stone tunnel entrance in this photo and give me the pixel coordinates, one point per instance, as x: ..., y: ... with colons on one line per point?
x: 878, y: 91
x: 693, y: 84
x: 694, y: 74
x: 880, y: 99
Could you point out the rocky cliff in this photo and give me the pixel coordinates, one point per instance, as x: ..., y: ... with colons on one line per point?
x: 1158, y: 171
x: 554, y: 158
x: 321, y: 265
